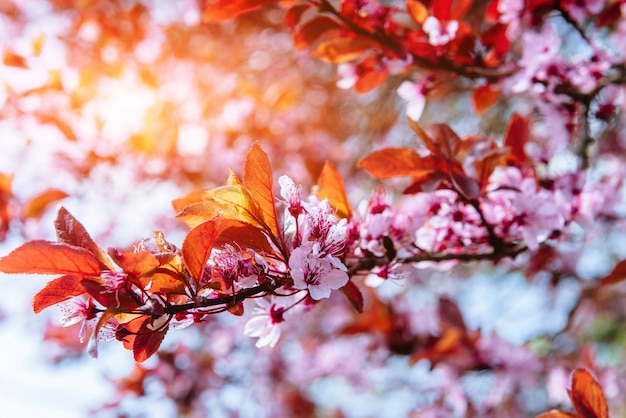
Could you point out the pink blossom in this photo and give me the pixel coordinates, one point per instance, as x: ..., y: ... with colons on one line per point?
x: 318, y: 274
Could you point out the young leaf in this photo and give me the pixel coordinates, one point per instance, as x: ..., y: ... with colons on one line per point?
x: 587, y: 396
x: 72, y: 232
x: 257, y: 178
x: 56, y: 291
x: 330, y: 185
x: 45, y: 257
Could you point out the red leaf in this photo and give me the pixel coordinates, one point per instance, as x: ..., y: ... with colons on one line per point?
x: 515, y: 137
x: 198, y: 244
x: 37, y: 205
x: 610, y: 15
x: 484, y: 97
x: 147, y: 341
x: 118, y: 300
x: 441, y: 9
x: 316, y: 29
x: 496, y: 39
x: 294, y: 14
x: 221, y: 10
x: 446, y: 140
x: 72, y: 232
x: 587, y: 396
x: 330, y: 185
x: 56, y: 291
x: 45, y: 257
x: 257, y: 178
x: 617, y: 275
x: 354, y: 295
x: 397, y: 162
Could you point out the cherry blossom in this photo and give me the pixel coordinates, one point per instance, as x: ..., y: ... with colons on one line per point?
x: 437, y: 33
x: 78, y: 310
x: 316, y: 273
x: 415, y: 95
x: 264, y: 324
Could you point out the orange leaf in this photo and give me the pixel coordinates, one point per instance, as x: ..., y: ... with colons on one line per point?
x: 136, y: 264
x: 330, y: 185
x: 56, y: 291
x: 11, y: 59
x: 6, y: 181
x: 37, y: 205
x: 221, y: 10
x: 257, y: 178
x: 617, y: 275
x: 198, y: 244
x: 397, y: 162
x: 72, y: 232
x: 243, y: 235
x: 316, y: 29
x: 587, y: 396
x: 232, y: 201
x: 340, y: 50
x: 483, y: 97
x: 166, y: 284
x: 45, y: 257
x: 417, y: 10
x: 370, y: 78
